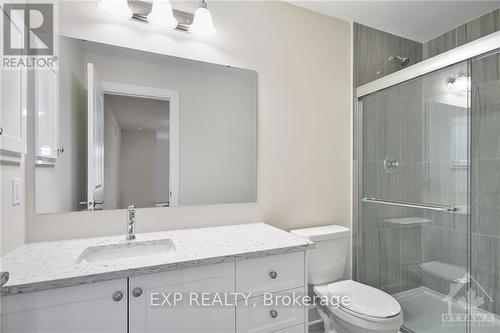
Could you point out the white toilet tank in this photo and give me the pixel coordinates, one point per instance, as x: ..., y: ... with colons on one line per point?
x: 328, y: 259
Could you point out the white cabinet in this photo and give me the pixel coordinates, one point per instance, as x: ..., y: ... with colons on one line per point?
x: 282, y: 275
x: 180, y: 301
x: 13, y: 104
x: 258, y: 317
x: 90, y: 308
x: 145, y: 314
x: 295, y: 329
x: 270, y: 274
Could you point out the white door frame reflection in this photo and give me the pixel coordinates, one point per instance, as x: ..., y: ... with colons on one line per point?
x: 172, y: 96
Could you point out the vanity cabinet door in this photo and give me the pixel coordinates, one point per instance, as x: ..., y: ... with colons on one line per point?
x: 90, y: 308
x: 148, y: 292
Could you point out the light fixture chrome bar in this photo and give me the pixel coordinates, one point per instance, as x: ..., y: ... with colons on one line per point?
x: 4, y: 277
x: 472, y: 49
x: 184, y: 19
x: 407, y: 204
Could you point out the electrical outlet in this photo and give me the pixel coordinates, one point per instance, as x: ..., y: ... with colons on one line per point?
x: 16, y: 191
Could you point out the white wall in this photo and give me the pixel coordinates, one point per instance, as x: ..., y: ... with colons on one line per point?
x: 304, y: 122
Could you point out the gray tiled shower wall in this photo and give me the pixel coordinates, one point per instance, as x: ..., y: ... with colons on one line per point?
x: 373, y: 47
x: 485, y: 202
x: 391, y: 252
x: 465, y: 33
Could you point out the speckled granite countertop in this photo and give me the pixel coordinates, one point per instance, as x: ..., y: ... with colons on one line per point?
x: 47, y: 265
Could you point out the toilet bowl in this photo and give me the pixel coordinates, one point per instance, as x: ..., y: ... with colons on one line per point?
x: 368, y: 310
x: 350, y: 307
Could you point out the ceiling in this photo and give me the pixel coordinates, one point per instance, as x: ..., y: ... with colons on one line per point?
x: 417, y: 20
x: 140, y: 113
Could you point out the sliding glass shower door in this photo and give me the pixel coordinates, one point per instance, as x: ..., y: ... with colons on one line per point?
x: 485, y: 193
x: 413, y: 229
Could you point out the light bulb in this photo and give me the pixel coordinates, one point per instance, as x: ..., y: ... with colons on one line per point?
x: 202, y: 25
x: 162, y: 15
x: 459, y: 84
x: 117, y: 8
x: 450, y: 83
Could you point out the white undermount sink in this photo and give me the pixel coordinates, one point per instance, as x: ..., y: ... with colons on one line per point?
x: 130, y: 249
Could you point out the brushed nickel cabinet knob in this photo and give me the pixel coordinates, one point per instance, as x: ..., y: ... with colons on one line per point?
x: 137, y: 292
x: 117, y: 296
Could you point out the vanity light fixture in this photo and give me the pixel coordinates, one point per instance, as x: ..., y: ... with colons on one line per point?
x: 162, y: 15
x: 117, y: 8
x: 202, y: 25
x: 458, y: 83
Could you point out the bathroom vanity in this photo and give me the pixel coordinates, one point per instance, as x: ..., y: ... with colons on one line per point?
x: 113, y: 285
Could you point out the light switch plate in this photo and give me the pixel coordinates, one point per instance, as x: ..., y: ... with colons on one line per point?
x: 16, y: 191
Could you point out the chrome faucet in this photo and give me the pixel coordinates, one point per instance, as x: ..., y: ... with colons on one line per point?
x: 131, y: 222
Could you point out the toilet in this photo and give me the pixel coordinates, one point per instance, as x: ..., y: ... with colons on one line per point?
x: 369, y: 309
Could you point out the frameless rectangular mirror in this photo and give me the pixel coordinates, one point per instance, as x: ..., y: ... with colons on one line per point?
x: 116, y: 127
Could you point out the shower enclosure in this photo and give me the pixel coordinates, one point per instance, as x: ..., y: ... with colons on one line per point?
x: 427, y: 189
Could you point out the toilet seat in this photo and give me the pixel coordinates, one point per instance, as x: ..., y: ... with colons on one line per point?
x: 367, y: 303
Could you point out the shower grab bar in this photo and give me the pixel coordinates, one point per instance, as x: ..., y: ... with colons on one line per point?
x: 439, y: 208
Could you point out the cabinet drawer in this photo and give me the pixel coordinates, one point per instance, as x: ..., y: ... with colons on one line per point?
x: 256, y: 317
x: 294, y: 329
x: 270, y: 274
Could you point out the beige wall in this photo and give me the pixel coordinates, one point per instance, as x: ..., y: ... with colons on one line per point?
x: 12, y: 226
x: 112, y: 157
x: 137, y: 175
x: 304, y: 115
x: 162, y: 165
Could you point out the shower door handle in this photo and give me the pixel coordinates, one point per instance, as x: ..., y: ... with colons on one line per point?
x: 408, y: 204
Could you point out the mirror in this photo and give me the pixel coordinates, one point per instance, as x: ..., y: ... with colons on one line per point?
x: 116, y: 127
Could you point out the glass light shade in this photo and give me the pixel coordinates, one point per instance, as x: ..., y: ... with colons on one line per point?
x: 460, y: 84
x: 162, y: 15
x: 202, y: 25
x: 117, y: 8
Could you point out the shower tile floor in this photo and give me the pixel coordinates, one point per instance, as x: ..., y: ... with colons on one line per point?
x: 422, y: 309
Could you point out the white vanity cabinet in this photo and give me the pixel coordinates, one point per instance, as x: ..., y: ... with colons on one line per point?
x: 270, y: 274
x: 282, y: 276
x: 147, y: 314
x: 256, y: 317
x: 90, y: 308
x: 146, y: 303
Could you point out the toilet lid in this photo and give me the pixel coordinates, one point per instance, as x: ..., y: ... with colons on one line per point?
x: 365, y: 300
